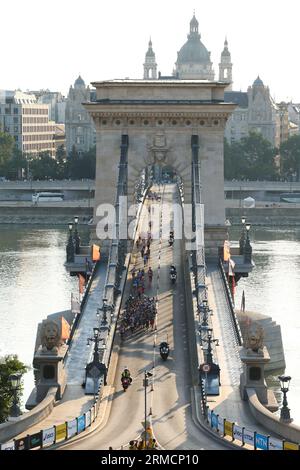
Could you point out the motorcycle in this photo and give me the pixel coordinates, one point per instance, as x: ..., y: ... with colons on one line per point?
x: 125, y: 383
x: 173, y: 277
x: 164, y: 350
x: 171, y: 238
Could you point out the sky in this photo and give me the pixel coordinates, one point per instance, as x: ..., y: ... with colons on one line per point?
x: 46, y: 44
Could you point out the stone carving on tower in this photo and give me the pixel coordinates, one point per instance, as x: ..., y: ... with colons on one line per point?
x: 193, y: 59
x: 158, y: 149
x: 150, y: 65
x: 80, y: 130
x: 225, y: 67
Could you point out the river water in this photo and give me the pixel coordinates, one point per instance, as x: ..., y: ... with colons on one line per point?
x: 34, y: 283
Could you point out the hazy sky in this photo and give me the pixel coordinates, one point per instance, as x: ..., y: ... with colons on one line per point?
x: 46, y: 44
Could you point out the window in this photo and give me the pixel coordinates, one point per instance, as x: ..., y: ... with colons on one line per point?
x: 16, y: 120
x: 16, y: 111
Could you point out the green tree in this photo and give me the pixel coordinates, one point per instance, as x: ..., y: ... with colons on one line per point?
x: 7, y: 144
x: 82, y: 166
x: 8, y: 365
x: 43, y: 167
x: 290, y: 156
x: 251, y: 158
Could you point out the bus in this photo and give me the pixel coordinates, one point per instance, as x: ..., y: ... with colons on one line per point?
x: 290, y: 197
x: 47, y: 197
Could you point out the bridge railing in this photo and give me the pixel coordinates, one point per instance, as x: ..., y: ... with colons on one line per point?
x: 235, y: 322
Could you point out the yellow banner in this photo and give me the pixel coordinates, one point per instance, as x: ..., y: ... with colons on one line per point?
x: 290, y: 446
x: 228, y: 428
x: 61, y: 432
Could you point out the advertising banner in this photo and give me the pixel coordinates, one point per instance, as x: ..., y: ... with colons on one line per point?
x: 35, y: 440
x: 87, y: 419
x: 290, y: 446
x: 48, y: 436
x: 228, y: 428
x: 238, y: 433
x: 8, y: 446
x: 249, y: 437
x: 80, y: 423
x: 261, y: 441
x: 214, y: 421
x: 221, y: 425
x: 72, y: 428
x: 61, y: 432
x: 275, y: 444
x: 21, y: 444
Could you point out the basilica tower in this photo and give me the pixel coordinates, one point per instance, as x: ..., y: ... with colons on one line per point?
x: 150, y: 65
x: 225, y: 67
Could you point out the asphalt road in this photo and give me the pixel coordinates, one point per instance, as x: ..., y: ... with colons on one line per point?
x: 170, y: 400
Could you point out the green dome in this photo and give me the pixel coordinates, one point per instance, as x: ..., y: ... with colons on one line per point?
x: 193, y: 51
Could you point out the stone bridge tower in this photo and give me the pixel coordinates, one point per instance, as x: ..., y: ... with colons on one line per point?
x: 160, y: 117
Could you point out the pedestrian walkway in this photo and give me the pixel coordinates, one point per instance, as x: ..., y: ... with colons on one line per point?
x: 229, y: 403
x: 74, y: 401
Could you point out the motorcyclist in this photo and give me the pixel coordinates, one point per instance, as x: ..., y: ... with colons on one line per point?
x: 173, y: 269
x: 164, y: 348
x: 126, y: 375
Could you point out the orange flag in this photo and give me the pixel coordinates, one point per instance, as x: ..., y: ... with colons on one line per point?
x: 95, y: 253
x: 226, y: 250
x: 81, y: 283
x: 65, y: 329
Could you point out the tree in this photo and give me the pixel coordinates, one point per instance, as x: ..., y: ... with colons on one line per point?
x: 10, y: 364
x: 290, y: 156
x: 43, y: 166
x: 7, y: 144
x: 82, y: 166
x: 253, y: 157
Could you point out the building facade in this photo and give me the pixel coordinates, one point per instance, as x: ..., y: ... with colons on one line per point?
x: 28, y: 122
x: 80, y: 130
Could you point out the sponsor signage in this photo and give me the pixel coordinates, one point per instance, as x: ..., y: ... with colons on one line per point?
x: 87, y: 419
x: 290, y: 446
x: 80, y: 423
x: 72, y: 428
x: 61, y: 432
x: 261, y: 441
x: 249, y: 437
x: 214, y: 421
x: 221, y: 425
x: 275, y: 444
x: 48, y: 436
x: 35, y: 440
x: 21, y: 444
x: 238, y: 433
x: 8, y: 446
x: 228, y: 428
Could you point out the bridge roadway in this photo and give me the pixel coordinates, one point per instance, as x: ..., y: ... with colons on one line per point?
x: 172, y: 417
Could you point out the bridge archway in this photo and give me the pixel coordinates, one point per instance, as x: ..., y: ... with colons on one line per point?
x: 160, y: 117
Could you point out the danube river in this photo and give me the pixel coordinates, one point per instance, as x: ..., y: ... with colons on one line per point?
x: 34, y: 283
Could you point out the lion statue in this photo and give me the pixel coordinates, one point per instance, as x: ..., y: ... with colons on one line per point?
x: 254, y: 338
x: 50, y: 336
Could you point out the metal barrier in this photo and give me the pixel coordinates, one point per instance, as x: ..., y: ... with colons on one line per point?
x: 242, y: 436
x: 235, y: 323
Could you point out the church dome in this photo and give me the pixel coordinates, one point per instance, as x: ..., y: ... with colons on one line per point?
x: 258, y: 82
x: 79, y: 83
x: 193, y: 51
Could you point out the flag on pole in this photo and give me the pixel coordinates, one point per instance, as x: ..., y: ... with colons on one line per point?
x: 226, y: 255
x: 96, y: 253
x: 81, y: 283
x: 243, y: 302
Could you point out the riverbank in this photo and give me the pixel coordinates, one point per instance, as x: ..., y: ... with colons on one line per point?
x: 46, y: 214
x: 265, y: 216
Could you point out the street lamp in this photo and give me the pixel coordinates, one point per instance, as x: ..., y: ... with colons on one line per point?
x: 285, y: 411
x: 242, y: 239
x: 209, y: 340
x: 76, y: 236
x: 70, y: 245
x: 248, y: 247
x: 15, y: 380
